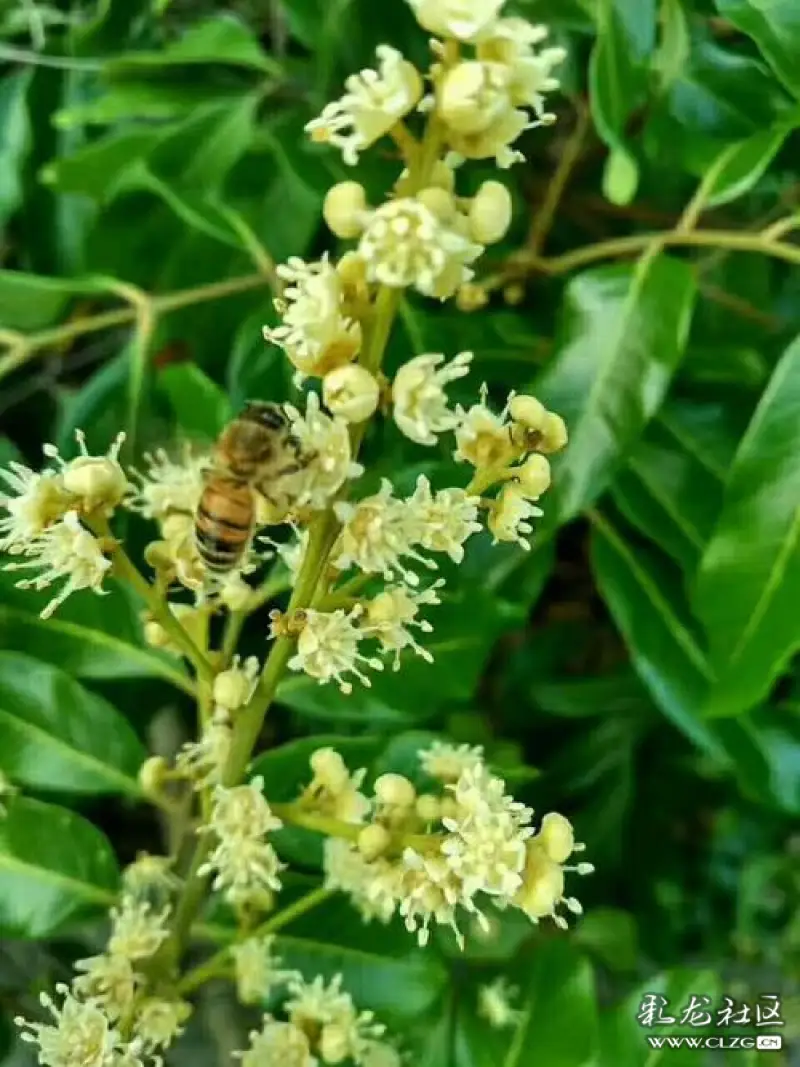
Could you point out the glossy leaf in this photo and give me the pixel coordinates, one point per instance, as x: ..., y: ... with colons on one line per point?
x: 31, y: 301
x: 624, y: 333
x: 54, y: 865
x: 741, y: 165
x: 749, y: 583
x: 200, y: 407
x: 775, y: 27
x: 15, y: 142
x: 54, y: 734
x: 223, y: 39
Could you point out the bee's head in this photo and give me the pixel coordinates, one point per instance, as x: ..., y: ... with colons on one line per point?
x: 270, y: 416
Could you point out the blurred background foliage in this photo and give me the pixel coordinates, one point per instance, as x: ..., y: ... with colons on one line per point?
x: 634, y: 670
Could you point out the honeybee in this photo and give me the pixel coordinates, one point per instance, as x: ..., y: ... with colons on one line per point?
x: 252, y: 452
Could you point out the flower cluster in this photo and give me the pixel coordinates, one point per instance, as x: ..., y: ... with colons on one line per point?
x: 323, y: 1026
x: 458, y: 848
x: 109, y: 1017
x: 244, y: 864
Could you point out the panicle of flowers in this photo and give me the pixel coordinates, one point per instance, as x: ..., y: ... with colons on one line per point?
x: 244, y: 864
x: 433, y: 856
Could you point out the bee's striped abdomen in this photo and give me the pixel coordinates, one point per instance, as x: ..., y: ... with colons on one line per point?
x: 224, y: 523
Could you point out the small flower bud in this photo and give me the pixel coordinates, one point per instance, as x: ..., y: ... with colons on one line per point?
x: 554, y: 434
x: 98, y: 480
x: 373, y: 841
x: 527, y: 411
x: 439, y: 202
x: 344, y: 208
x: 395, y: 791
x: 429, y: 807
x: 351, y: 392
x: 330, y: 769
x: 153, y: 775
x: 490, y: 213
x: 556, y: 837
x: 471, y: 297
x: 232, y: 688
x: 533, y: 476
x: 514, y: 294
x: 334, y: 1044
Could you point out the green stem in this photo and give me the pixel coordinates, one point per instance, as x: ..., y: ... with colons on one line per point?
x: 213, y: 965
x: 125, y: 569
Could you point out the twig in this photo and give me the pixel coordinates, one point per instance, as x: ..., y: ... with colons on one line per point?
x: 543, y: 219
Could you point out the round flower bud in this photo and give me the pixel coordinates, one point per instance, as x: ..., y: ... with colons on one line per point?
x: 351, y: 392
x: 533, y: 476
x: 527, y: 411
x: 490, y: 213
x: 395, y: 790
x: 514, y: 294
x: 373, y: 841
x: 153, y: 775
x: 556, y: 837
x: 554, y: 434
x: 330, y: 769
x: 343, y: 209
x: 439, y: 202
x: 334, y: 1044
x: 429, y: 807
x: 98, y: 480
x: 471, y: 297
x: 473, y: 96
x: 232, y: 689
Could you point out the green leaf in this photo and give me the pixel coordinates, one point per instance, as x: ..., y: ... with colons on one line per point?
x: 625, y: 329
x: 90, y: 637
x: 222, y: 39
x: 612, y: 936
x: 54, y: 865
x: 739, y: 166
x: 674, y: 45
x: 15, y: 140
x: 101, y: 168
x: 749, y: 582
x: 30, y: 302
x: 559, y: 1026
x: 54, y: 734
x: 775, y: 27
x: 110, y: 26
x: 669, y: 495
x: 626, y: 33
x: 200, y: 407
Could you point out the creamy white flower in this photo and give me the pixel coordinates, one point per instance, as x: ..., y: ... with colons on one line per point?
x: 169, y: 485
x: 65, y: 550
x: 234, y: 686
x: 431, y: 892
x: 244, y: 863
x: 391, y: 615
x: 108, y: 980
x: 137, y: 929
x: 509, y: 514
x: 446, y: 518
x: 380, y: 1054
x: 447, y: 761
x: 463, y: 19
x: 257, y: 969
x: 203, y: 761
x: 347, y: 870
x: 485, y: 844
x: 317, y: 1007
x: 480, y: 119
x: 326, y: 440
x: 483, y: 438
x: 351, y: 392
x: 377, y: 534
x: 333, y: 790
x: 327, y: 648
x: 95, y: 483
x: 39, y: 500
x: 373, y: 102
x: 494, y: 1004
x: 542, y: 889
x: 277, y: 1044
x: 511, y: 42
x: 79, y: 1036
x: 316, y: 333
x: 159, y: 1021
x: 149, y: 874
x: 420, y: 401
x: 404, y: 244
